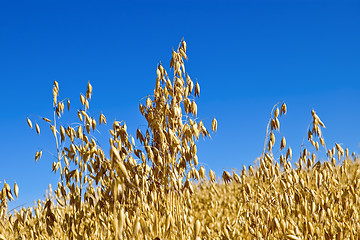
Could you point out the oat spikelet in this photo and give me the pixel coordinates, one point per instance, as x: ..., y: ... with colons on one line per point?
x: 56, y: 84
x: 227, y: 177
x: 89, y: 91
x: 197, y: 228
x: 212, y: 175
x: 283, y: 109
x: 202, y: 172
x: 16, y: 190
x: 38, y: 155
x: 214, y: 125
x: 276, y: 113
x: 62, y: 133
x: 46, y: 120
x: 289, y: 153
x: 292, y: 237
x: 197, y: 90
x: 37, y: 129
x: 53, y: 129
x: 29, y: 123
x: 79, y: 116
x: 283, y: 143
x: 82, y: 99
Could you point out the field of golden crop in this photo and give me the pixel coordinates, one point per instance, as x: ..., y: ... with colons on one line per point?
x: 154, y: 188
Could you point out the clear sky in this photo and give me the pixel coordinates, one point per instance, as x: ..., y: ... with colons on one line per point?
x: 246, y: 55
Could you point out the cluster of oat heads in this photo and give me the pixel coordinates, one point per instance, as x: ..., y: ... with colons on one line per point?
x: 312, y: 201
x: 152, y: 187
x: 138, y: 192
x: 7, y: 195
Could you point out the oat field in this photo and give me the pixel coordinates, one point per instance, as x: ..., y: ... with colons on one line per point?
x: 151, y: 185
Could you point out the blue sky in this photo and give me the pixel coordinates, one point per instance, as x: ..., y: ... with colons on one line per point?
x: 246, y: 55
